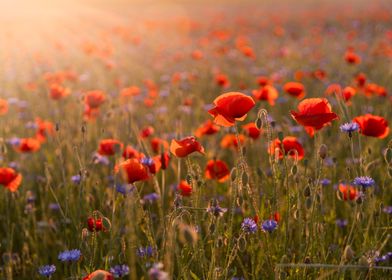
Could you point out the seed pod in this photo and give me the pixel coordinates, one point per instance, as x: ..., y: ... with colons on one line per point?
x: 57, y: 126
x: 233, y: 174
x: 348, y: 253
x: 308, y: 203
x: 245, y: 178
x: 294, y: 170
x: 280, y: 135
x: 259, y: 123
x: 307, y: 191
x: 323, y: 151
x: 241, y: 244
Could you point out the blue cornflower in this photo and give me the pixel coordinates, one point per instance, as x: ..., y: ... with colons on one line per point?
x: 147, y: 161
x: 216, y: 210
x: 349, y: 127
x: 76, y: 179
x: 70, y: 256
x: 249, y: 225
x: 145, y: 252
x: 269, y: 225
x: 47, y: 270
x: 325, y: 182
x: 387, y: 210
x: 125, y: 188
x: 364, y: 182
x: 341, y: 223
x: 151, y: 197
x: 119, y: 270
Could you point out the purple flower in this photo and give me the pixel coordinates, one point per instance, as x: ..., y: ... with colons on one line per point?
x: 364, y: 182
x: 47, y: 270
x: 145, y: 252
x: 76, y: 179
x: 269, y: 225
x: 325, y: 182
x: 119, y: 270
x: 341, y: 223
x: 151, y: 197
x: 147, y: 161
x: 349, y: 127
x: 156, y: 272
x: 249, y: 225
x: 387, y: 209
x: 70, y: 256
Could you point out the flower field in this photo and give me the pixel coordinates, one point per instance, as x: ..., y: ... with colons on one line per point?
x: 195, y: 139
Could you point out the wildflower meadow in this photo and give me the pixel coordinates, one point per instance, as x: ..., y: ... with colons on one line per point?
x: 195, y: 140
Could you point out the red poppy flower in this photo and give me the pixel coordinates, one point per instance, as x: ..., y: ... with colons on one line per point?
x: 3, y: 107
x: 28, y: 145
x: 217, y: 169
x: 267, y: 93
x: 372, y: 89
x: 349, y: 192
x: 314, y: 114
x: 333, y: 89
x: 290, y: 143
x: 99, y: 275
x: 360, y: 79
x: 295, y: 89
x: 94, y: 98
x: 133, y: 170
x: 158, y: 145
x: 130, y: 152
x: 146, y: 132
x: 374, y: 126
x: 251, y: 130
x: 10, y: 179
x: 230, y: 141
x: 222, y: 80
x: 165, y: 158
x: 348, y: 93
x: 197, y: 55
x: 57, y: 91
x: 207, y: 128
x: 44, y: 129
x: 184, y: 188
x: 182, y: 148
x: 94, y: 224
x: 263, y: 81
x: 231, y: 107
x: 352, y: 58
x: 108, y: 147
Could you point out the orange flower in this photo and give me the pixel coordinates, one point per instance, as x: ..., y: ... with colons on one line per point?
x: 217, y: 169
x: 184, y: 188
x: 44, y: 129
x: 267, y: 93
x: 197, y: 55
x: 108, y: 147
x: 295, y: 89
x: 99, y: 275
x: 94, y: 98
x: 374, y: 126
x: 10, y: 179
x: 182, y: 148
x: 28, y: 145
x: 263, y: 81
x: 133, y: 170
x: 314, y: 114
x: 290, y: 144
x: 3, y: 107
x: 251, y: 130
x: 230, y: 141
x: 207, y: 128
x: 348, y: 192
x: 126, y: 94
x: 57, y: 91
x: 231, y: 107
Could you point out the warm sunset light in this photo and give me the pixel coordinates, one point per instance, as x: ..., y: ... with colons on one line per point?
x: 195, y: 139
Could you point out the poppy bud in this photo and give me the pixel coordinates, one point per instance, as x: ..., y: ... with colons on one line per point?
x: 323, y: 151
